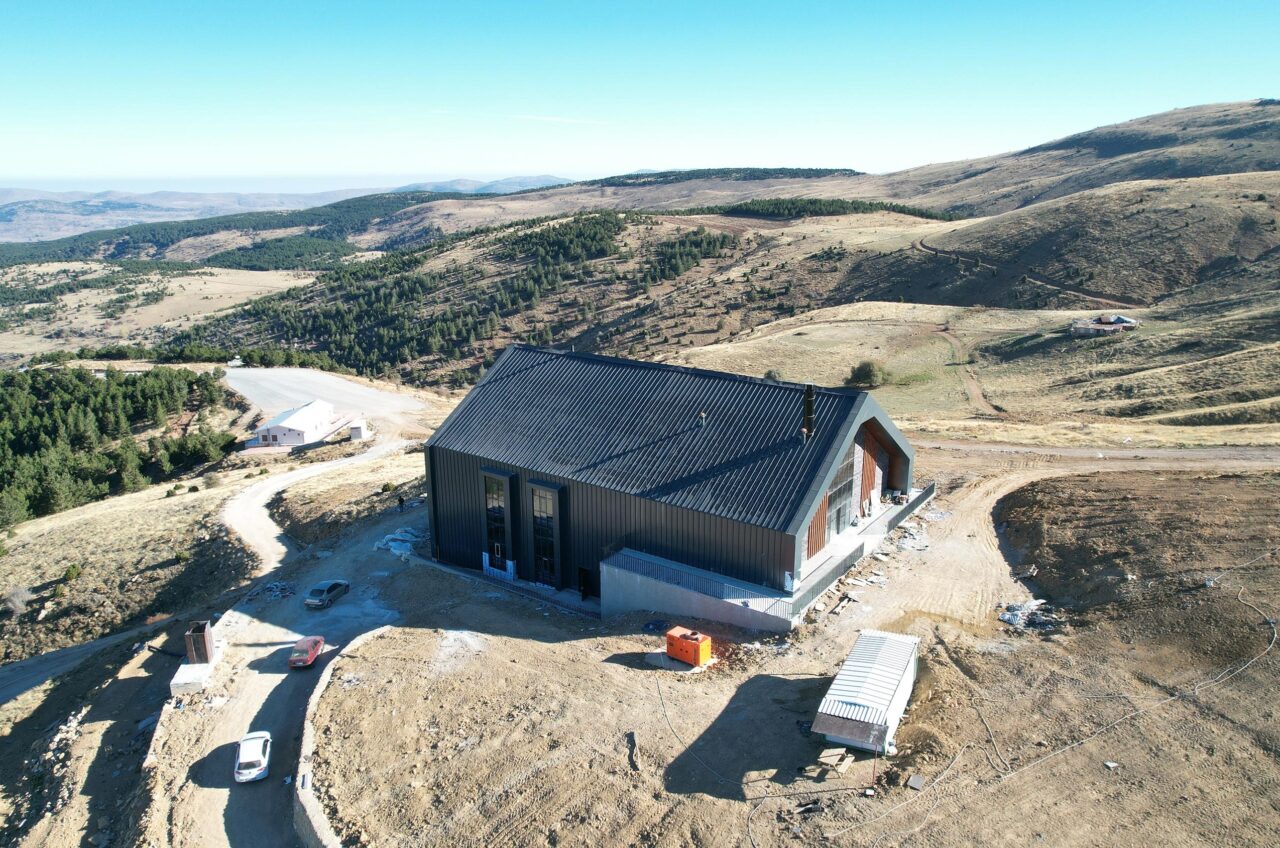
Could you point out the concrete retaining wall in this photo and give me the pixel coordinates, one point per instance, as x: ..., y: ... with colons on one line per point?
x: 622, y: 591
x: 309, y: 818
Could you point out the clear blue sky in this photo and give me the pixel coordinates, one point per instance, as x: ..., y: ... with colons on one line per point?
x: 288, y: 95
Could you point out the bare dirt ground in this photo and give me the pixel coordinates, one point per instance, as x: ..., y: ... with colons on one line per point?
x: 322, y: 507
x: 449, y: 730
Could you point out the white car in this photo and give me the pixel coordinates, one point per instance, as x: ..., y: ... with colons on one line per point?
x: 253, y: 757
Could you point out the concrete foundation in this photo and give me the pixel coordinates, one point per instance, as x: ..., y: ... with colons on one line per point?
x: 623, y: 591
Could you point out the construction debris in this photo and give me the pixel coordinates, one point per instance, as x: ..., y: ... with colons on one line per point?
x: 400, y: 542
x: 273, y: 591
x: 916, y: 782
x: 1031, y: 615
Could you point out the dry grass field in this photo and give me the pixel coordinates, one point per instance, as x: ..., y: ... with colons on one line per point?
x: 1016, y: 376
x: 89, y: 317
x: 1220, y: 138
x: 104, y: 566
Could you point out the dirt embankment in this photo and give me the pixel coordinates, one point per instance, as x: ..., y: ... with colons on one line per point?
x: 319, y: 509
x: 1141, y: 723
x: 1131, y: 553
x: 97, y: 569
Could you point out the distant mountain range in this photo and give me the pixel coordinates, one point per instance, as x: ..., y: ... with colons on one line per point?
x: 34, y: 215
x: 504, y: 186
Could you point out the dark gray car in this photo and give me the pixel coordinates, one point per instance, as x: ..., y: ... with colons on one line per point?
x: 324, y: 593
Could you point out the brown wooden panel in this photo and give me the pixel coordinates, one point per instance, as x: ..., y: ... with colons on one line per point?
x: 868, y: 467
x: 818, y: 529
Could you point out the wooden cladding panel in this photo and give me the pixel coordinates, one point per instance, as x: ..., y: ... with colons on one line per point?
x: 869, y: 450
x: 818, y: 529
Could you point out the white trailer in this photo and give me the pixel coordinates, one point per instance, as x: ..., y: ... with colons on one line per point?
x: 865, y: 703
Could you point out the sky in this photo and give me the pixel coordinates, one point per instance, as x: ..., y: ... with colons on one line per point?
x: 302, y: 96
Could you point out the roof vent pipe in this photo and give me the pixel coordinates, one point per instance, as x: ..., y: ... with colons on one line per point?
x: 808, y: 411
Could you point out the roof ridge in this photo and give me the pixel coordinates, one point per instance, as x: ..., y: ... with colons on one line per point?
x: 840, y: 391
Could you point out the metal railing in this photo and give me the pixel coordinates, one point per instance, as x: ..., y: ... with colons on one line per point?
x: 821, y: 581
x: 912, y: 505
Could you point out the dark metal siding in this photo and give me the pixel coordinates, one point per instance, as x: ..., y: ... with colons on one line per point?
x: 635, y: 427
x: 596, y: 522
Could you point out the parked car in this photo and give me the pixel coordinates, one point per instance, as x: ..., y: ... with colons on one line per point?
x: 323, y: 594
x: 253, y: 757
x: 305, y: 651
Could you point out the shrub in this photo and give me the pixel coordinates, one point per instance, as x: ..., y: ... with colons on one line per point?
x: 193, y: 488
x: 212, y: 480
x: 262, y: 471
x: 182, y: 556
x: 73, y: 571
x: 16, y: 600
x: 171, y: 493
x: 60, y: 591
x: 868, y: 374
x: 388, y: 487
x: 772, y: 374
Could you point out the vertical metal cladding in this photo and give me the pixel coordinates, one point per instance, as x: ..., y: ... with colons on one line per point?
x: 714, y: 470
x: 595, y: 523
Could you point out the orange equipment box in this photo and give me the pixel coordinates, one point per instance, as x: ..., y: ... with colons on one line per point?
x: 689, y: 646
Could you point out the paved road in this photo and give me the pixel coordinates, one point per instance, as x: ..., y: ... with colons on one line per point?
x: 277, y: 389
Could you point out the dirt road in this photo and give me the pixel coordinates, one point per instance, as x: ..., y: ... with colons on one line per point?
x: 18, y: 677
x: 963, y: 358
x: 247, y: 512
x: 919, y: 244
x: 254, y: 690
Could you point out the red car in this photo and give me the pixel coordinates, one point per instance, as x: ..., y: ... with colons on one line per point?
x: 305, y: 651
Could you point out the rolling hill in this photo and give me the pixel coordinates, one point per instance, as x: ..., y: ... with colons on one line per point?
x: 428, y: 287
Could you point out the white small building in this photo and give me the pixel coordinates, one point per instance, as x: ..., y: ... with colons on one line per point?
x: 302, y: 426
x: 360, y: 430
x: 865, y: 703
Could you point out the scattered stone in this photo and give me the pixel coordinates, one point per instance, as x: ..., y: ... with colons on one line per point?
x: 916, y: 782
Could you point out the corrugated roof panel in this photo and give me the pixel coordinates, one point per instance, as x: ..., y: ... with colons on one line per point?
x: 869, y: 677
x: 634, y: 427
x: 305, y: 417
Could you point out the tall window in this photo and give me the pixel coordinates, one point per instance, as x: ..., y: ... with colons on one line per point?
x: 545, y: 559
x: 495, y: 511
x: 840, y: 496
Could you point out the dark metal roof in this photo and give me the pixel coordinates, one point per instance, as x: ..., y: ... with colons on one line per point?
x: 634, y: 427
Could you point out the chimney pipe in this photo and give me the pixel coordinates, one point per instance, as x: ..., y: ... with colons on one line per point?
x: 808, y: 411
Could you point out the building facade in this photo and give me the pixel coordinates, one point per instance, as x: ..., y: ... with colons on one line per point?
x: 309, y: 423
x: 557, y: 461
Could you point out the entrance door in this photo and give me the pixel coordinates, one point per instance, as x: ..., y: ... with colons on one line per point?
x: 546, y: 541
x: 495, y: 521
